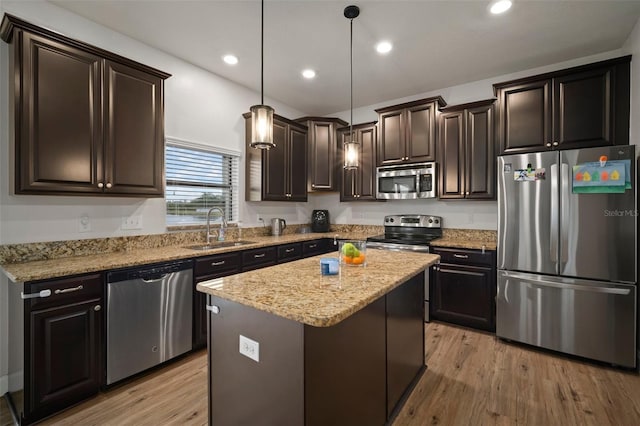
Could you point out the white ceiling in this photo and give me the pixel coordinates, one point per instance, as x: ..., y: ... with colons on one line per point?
x: 437, y: 44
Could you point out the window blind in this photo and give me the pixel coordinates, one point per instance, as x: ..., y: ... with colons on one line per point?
x: 198, y: 179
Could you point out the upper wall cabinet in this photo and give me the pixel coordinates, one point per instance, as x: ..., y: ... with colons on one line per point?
x: 279, y: 173
x: 574, y: 108
x: 86, y: 121
x: 323, y: 174
x: 359, y: 184
x: 408, y: 132
x: 466, y: 151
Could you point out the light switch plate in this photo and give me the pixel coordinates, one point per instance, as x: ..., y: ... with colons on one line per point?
x: 250, y: 348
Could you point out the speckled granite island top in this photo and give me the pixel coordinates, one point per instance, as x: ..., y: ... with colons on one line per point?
x: 297, y: 291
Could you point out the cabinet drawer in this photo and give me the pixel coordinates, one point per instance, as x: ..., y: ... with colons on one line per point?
x: 289, y: 252
x: 215, y: 264
x: 315, y: 247
x: 258, y: 256
x: 65, y: 290
x: 472, y: 257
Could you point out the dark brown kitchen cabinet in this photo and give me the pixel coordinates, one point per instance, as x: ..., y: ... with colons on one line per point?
x: 467, y: 151
x: 63, y: 344
x: 463, y: 288
x: 86, y: 121
x: 289, y: 252
x: 579, y: 107
x: 359, y: 184
x: 208, y: 268
x: 408, y: 132
x: 323, y: 174
x: 280, y: 173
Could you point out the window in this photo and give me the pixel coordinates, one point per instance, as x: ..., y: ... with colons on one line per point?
x: 198, y: 178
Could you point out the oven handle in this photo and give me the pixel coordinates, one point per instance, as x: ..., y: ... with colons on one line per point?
x: 398, y: 247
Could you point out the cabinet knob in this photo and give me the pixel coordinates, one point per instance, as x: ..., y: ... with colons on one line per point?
x: 97, y: 308
x: 313, y: 185
x: 108, y: 185
x: 466, y: 193
x: 555, y: 144
x: 100, y: 185
x: 549, y: 145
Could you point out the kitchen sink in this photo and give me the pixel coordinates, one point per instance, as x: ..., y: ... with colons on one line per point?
x: 218, y: 244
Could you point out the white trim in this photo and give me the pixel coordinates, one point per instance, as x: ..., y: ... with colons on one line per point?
x: 199, y: 145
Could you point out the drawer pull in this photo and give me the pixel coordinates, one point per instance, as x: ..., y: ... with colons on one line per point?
x: 289, y: 250
x: 69, y: 290
x: 258, y: 256
x: 218, y: 263
x: 313, y: 246
x: 461, y: 256
x: 97, y: 308
x: 42, y: 293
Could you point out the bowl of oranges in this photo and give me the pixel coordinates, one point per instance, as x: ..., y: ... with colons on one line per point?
x: 352, y: 253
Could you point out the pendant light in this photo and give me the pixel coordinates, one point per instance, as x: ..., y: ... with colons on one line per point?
x: 262, y: 115
x: 351, y: 147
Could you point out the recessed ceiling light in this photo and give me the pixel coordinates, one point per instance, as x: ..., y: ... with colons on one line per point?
x: 308, y: 73
x: 500, y: 6
x: 384, y: 47
x: 230, y: 59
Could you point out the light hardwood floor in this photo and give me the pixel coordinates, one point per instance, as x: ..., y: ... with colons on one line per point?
x: 472, y: 378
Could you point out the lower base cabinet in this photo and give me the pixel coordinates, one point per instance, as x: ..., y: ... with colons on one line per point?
x: 63, y: 345
x: 463, y: 288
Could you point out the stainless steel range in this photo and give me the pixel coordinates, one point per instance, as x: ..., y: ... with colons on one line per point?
x: 412, y: 232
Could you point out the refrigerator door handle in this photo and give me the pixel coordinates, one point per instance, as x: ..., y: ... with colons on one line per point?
x: 553, y: 240
x: 565, y: 178
x: 591, y: 289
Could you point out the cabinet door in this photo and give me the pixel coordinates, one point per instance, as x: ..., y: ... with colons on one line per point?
x: 480, y: 158
x: 134, y: 137
x: 57, y: 85
x: 464, y: 295
x: 297, y: 165
x: 66, y: 365
x: 391, y: 149
x: 583, y: 109
x: 274, y: 174
x: 525, y: 117
x: 322, y: 156
x: 366, y: 181
x: 421, y: 133
x: 451, y: 152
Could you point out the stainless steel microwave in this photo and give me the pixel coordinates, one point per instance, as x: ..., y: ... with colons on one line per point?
x: 406, y: 182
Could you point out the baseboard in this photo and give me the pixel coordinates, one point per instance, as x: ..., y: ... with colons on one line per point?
x: 4, y: 384
x: 12, y: 382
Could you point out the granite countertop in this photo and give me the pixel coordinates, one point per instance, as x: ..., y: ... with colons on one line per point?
x: 300, y: 293
x: 60, y: 267
x: 467, y: 239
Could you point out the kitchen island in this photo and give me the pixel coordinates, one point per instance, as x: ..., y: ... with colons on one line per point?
x: 290, y: 346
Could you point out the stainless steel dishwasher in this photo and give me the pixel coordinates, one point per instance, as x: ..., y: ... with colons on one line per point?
x: 149, y: 317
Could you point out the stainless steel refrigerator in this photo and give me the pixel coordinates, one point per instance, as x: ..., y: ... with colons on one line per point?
x: 567, y: 235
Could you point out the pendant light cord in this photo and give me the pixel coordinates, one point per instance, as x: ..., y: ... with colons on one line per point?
x: 262, y: 55
x: 351, y: 76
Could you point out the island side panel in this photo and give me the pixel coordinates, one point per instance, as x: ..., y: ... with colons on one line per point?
x: 243, y: 391
x: 405, y: 340
x: 345, y: 370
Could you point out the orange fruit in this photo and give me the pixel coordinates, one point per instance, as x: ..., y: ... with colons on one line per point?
x: 358, y: 260
x: 347, y: 259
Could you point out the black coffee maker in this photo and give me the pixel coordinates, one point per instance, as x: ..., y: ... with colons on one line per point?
x: 320, y: 221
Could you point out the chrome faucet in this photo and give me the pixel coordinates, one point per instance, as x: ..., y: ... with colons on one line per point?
x: 223, y: 228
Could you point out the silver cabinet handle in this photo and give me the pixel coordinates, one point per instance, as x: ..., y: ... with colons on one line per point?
x: 549, y: 145
x: 109, y: 185
x: 258, y: 256
x: 97, y: 308
x: 289, y: 250
x: 461, y: 256
x: 100, y: 185
x: 69, y: 290
x: 222, y: 262
x: 313, y: 245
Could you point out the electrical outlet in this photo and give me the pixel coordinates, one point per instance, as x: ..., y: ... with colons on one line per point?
x: 131, y: 222
x: 259, y: 217
x: 250, y: 348
x: 84, y: 224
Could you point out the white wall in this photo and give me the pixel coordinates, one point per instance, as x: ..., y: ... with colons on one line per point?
x: 632, y: 47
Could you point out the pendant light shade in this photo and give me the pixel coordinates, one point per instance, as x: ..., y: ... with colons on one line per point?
x: 351, y: 147
x: 261, y: 127
x: 262, y: 115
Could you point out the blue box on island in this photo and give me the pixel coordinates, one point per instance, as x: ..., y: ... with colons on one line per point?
x: 329, y: 266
